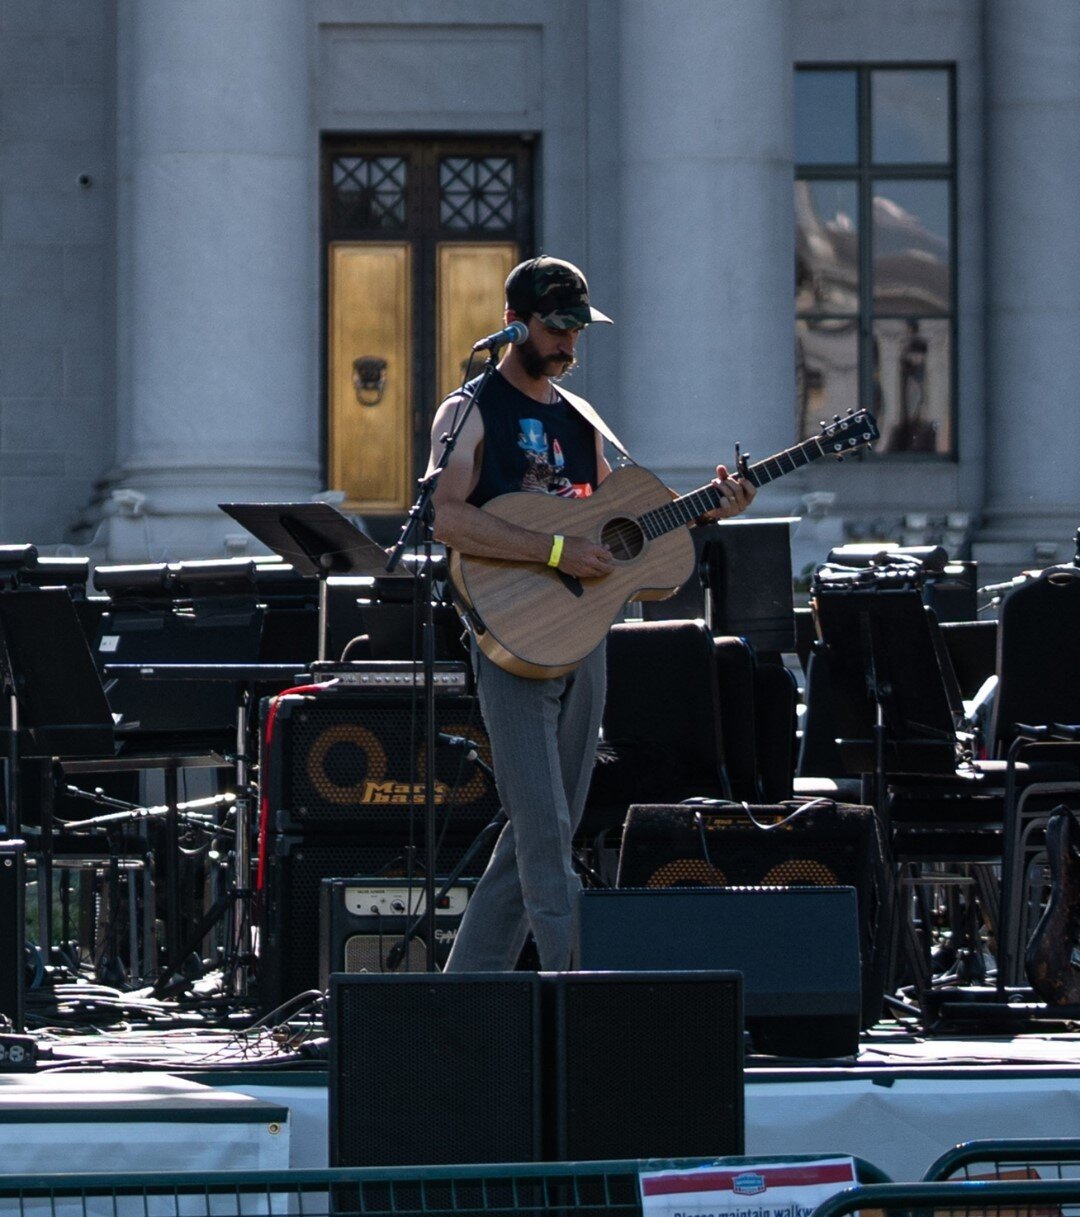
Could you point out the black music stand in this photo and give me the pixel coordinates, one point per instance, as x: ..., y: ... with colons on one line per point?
x: 316, y: 540
x: 891, y: 708
x: 54, y: 705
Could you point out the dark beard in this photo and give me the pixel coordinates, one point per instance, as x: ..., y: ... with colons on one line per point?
x: 537, y: 365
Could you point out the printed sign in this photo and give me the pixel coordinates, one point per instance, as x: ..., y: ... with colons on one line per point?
x: 779, y: 1189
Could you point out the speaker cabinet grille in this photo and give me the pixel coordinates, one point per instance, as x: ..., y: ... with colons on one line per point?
x: 341, y: 760
x: 366, y: 952
x: 288, y: 960
x: 434, y: 1069
x: 808, y: 844
x: 649, y: 1065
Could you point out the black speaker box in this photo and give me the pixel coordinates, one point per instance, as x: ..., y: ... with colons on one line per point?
x: 13, y: 938
x: 797, y: 950
x: 748, y: 583
x: 356, y: 759
x: 434, y: 1069
x: 645, y: 1065
x: 288, y: 957
x: 362, y: 923
x: 800, y: 843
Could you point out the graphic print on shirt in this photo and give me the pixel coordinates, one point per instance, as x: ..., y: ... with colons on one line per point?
x: 544, y: 463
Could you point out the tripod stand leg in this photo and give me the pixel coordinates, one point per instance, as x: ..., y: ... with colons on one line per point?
x: 492, y: 828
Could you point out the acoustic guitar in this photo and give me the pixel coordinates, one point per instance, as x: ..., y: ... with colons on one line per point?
x: 1052, y: 958
x: 540, y: 622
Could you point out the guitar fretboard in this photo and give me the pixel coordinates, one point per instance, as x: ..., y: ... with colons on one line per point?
x: 690, y: 507
x: 846, y: 435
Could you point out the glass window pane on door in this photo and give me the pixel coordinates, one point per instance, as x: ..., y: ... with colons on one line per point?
x: 826, y: 118
x: 910, y: 117
x: 913, y: 384
x: 826, y: 246
x: 826, y: 370
x: 911, y: 247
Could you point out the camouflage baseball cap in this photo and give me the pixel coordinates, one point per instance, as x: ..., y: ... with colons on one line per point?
x: 556, y: 291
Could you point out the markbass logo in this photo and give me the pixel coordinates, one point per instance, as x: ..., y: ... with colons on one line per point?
x: 749, y: 1183
x: 399, y: 794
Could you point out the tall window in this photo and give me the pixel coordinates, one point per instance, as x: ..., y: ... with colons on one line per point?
x: 875, y: 266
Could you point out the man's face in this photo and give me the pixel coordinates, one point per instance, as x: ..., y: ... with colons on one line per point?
x: 548, y: 351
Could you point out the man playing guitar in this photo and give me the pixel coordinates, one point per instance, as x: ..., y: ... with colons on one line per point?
x: 523, y: 434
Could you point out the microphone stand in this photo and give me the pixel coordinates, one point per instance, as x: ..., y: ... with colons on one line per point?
x: 421, y: 516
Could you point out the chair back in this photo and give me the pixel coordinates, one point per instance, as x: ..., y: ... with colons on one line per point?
x: 1038, y: 655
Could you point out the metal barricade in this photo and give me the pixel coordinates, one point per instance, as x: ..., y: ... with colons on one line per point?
x: 583, y: 1189
x: 1009, y: 1158
x: 959, y: 1198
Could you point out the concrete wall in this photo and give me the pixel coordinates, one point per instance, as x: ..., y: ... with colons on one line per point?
x: 664, y: 168
x: 57, y: 254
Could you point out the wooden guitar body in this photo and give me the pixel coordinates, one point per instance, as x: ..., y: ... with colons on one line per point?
x: 537, y: 622
x: 1052, y: 959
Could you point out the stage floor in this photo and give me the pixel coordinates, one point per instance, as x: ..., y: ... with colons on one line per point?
x: 191, y: 1097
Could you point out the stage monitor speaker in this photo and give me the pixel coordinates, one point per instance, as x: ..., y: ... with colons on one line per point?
x: 645, y: 1065
x: 439, y: 1068
x: 362, y: 923
x: 747, y: 574
x: 355, y: 759
x: 288, y: 959
x: 13, y: 938
x: 800, y: 843
x: 797, y: 950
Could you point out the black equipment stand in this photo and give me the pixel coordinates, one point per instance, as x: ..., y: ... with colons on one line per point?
x: 893, y: 715
x: 237, y: 964
x: 892, y: 710
x: 54, y: 706
x: 421, y: 517
x: 316, y: 540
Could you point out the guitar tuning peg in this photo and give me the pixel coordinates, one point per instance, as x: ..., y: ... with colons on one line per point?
x: 836, y: 418
x: 823, y: 424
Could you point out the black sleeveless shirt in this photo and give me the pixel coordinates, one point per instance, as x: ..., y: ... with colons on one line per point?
x: 532, y: 446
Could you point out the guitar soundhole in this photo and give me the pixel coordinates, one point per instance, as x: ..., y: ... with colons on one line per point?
x: 624, y: 538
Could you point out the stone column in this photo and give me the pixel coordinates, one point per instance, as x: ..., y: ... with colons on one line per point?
x: 1033, y: 276
x: 706, y: 321
x: 216, y: 271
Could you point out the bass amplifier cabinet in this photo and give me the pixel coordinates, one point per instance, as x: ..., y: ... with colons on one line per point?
x: 438, y: 1068
x: 355, y: 758
x: 362, y: 923
x: 797, y: 950
x: 288, y: 958
x: 800, y: 843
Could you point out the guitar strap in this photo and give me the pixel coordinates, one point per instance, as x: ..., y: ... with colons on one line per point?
x: 590, y: 416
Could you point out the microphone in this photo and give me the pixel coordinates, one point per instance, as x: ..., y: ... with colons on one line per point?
x: 471, y: 749
x: 994, y: 588
x: 515, y: 332
x: 458, y: 741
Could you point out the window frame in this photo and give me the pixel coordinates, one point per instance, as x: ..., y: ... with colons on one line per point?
x: 865, y: 173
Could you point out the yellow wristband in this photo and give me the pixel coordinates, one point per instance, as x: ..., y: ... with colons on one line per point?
x: 556, y: 550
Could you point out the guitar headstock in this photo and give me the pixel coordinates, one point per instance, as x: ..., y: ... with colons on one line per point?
x: 848, y: 433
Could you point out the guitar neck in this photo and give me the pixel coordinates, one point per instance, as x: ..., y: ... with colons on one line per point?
x: 690, y: 507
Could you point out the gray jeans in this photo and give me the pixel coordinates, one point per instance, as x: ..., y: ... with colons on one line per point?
x: 543, y: 737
